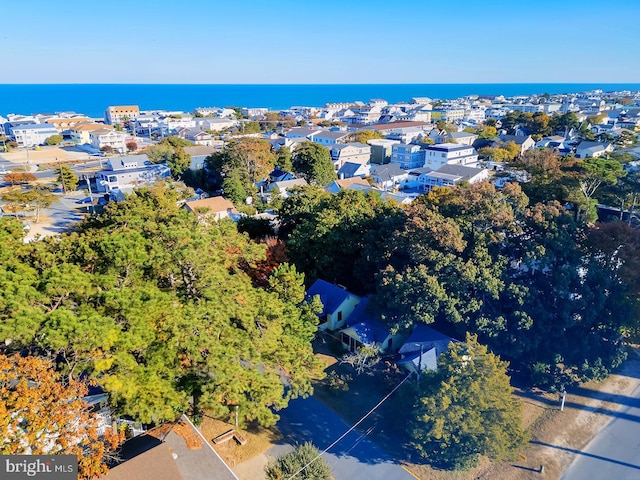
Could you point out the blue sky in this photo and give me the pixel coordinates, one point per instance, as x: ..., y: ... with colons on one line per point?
x: 328, y: 41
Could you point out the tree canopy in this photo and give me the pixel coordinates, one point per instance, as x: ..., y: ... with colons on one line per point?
x: 158, y: 308
x: 313, y: 162
x: 466, y: 409
x: 241, y: 164
x: 290, y: 463
x: 54, y: 140
x: 40, y: 414
x: 473, y: 258
x: 66, y: 178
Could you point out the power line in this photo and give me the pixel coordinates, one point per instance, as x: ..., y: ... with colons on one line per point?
x: 353, y: 427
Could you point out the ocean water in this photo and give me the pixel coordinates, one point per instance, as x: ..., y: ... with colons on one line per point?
x: 92, y: 99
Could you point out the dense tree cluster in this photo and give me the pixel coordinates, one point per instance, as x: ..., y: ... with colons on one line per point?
x: 158, y: 309
x: 474, y: 258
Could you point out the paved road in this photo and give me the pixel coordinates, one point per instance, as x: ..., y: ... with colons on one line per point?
x: 615, y: 452
x: 354, y: 458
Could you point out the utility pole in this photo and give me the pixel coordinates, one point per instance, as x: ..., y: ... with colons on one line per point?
x: 420, y: 363
x: 93, y: 207
x: 61, y: 174
x: 564, y: 395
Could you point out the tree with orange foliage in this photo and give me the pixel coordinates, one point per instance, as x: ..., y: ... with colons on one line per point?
x: 40, y: 415
x: 15, y: 178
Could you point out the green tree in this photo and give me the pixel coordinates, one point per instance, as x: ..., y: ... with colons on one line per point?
x: 313, y: 162
x: 174, y: 142
x: 159, y: 153
x: 179, y: 162
x: 331, y: 237
x: 284, y: 159
x: 291, y: 463
x: 487, y: 132
x: 34, y: 200
x: 466, y: 409
x: 496, y: 154
x: 252, y: 158
x: 593, y: 172
x: 53, y: 140
x: 250, y: 127
x: 363, y: 136
x: 66, y: 178
x: 447, y: 127
x: 159, y: 309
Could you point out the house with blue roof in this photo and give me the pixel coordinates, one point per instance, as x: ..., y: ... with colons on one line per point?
x: 364, y: 329
x: 423, y: 347
x: 338, y: 304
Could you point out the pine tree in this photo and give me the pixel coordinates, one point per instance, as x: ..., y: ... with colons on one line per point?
x: 467, y: 409
x: 67, y: 179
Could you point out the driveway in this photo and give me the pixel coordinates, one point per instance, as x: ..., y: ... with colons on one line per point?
x: 58, y: 217
x: 355, y: 457
x: 615, y: 452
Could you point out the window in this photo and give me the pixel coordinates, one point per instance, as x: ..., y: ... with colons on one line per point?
x: 340, y: 316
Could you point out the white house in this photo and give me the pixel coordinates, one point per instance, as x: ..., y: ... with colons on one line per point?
x: 352, y: 170
x: 130, y: 170
x: 421, y: 350
x: 449, y: 153
x: 302, y: 132
x: 461, y: 138
x: 112, y: 139
x: 216, y: 124
x: 416, y: 179
x: 33, y: 134
x: 450, y: 175
x: 282, y: 188
x: 329, y: 137
x: 593, y: 149
x: 452, y: 114
x: 388, y: 177
x: 364, y: 329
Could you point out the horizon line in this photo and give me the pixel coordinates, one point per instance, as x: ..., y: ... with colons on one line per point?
x: 325, y: 84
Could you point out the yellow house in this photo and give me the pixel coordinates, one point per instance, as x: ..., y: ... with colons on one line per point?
x: 120, y: 113
x: 81, y: 133
x: 338, y: 303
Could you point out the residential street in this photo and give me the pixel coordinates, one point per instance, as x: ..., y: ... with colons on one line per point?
x: 354, y: 458
x: 615, y: 452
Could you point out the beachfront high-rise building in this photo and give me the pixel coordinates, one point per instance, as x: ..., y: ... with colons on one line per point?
x: 120, y: 113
